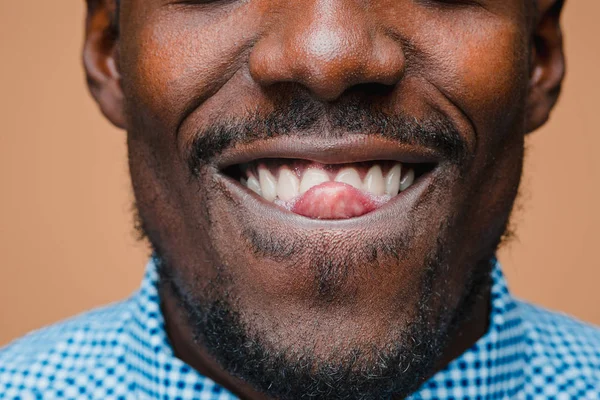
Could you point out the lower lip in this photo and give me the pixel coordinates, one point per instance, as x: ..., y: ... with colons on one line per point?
x: 253, y: 205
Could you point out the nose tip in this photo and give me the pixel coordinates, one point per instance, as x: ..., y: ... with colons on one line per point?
x: 327, y: 53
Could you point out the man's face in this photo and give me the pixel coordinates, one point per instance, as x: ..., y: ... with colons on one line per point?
x: 350, y: 287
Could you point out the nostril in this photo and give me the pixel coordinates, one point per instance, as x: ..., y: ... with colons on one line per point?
x: 371, y: 89
x: 328, y: 52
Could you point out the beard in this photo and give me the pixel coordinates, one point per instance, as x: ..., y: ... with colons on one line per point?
x: 392, y: 368
x: 246, y: 343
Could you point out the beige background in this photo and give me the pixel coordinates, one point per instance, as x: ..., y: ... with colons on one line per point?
x: 66, y: 237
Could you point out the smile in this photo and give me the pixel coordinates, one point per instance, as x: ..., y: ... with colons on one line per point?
x: 348, y: 186
x: 328, y: 191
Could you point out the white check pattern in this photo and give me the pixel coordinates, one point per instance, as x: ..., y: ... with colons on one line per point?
x: 122, y: 352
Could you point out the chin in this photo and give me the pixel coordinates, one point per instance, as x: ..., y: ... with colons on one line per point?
x: 334, y: 266
x: 346, y: 308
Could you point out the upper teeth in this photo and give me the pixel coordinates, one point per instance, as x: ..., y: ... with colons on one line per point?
x: 287, y: 185
x: 392, y: 180
x: 254, y: 185
x: 268, y: 184
x: 313, y: 177
x: 350, y: 177
x: 407, y: 179
x: 374, y: 182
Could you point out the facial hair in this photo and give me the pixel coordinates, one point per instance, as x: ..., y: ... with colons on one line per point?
x: 391, y: 369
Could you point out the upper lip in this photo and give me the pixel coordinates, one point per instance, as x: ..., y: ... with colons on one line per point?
x: 326, y: 150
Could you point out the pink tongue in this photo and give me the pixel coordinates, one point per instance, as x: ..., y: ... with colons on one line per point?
x: 334, y: 200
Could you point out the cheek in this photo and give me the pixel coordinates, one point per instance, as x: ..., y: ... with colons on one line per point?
x: 481, y: 65
x: 492, y: 71
x: 181, y: 57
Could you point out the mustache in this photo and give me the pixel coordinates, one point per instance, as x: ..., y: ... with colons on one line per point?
x: 304, y: 116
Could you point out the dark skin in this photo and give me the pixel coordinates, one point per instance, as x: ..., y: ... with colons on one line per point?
x: 492, y: 67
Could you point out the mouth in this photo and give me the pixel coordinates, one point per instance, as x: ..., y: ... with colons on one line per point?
x: 329, y: 184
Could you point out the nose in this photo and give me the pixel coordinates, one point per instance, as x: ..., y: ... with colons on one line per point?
x: 326, y: 46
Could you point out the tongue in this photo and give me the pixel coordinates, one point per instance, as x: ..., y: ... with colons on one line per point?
x: 334, y: 200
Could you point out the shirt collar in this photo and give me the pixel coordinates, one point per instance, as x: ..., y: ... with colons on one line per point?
x: 493, y: 366
x: 151, y: 352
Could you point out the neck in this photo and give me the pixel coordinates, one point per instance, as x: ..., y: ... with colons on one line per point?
x: 466, y: 332
x: 195, y: 355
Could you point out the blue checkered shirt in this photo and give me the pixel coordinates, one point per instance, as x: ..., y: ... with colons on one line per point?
x: 122, y: 352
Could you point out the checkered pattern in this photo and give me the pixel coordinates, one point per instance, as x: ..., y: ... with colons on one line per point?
x: 122, y: 352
